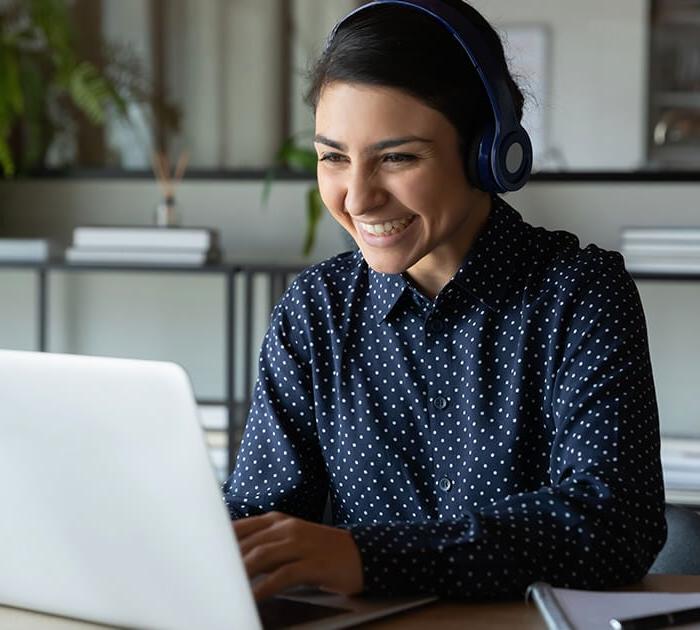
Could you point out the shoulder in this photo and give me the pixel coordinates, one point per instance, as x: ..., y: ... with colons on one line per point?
x: 325, y: 284
x: 568, y: 270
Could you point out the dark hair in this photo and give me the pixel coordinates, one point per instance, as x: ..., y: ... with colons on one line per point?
x: 404, y: 49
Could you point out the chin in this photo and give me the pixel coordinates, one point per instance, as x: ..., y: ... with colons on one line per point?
x: 385, y: 266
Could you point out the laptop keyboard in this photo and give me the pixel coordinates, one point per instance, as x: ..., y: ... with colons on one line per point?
x: 278, y: 612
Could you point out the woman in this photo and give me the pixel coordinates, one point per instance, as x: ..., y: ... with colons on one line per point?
x: 474, y: 393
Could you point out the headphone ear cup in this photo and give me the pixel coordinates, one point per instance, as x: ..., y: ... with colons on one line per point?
x: 471, y: 161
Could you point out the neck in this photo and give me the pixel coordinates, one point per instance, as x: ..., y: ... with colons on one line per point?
x: 434, y: 271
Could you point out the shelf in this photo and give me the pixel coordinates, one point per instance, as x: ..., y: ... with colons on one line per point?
x: 685, y: 277
x: 222, y: 267
x: 231, y: 413
x: 685, y: 99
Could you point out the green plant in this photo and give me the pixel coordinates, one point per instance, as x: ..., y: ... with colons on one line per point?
x: 299, y: 158
x: 44, y: 82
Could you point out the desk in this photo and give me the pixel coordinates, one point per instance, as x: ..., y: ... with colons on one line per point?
x: 442, y: 616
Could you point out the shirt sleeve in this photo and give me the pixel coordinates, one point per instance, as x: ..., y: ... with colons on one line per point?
x: 599, y: 522
x: 279, y: 464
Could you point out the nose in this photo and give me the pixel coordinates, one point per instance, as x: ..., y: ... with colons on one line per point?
x: 364, y: 193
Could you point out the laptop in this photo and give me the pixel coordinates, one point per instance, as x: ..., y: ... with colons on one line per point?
x: 111, y: 512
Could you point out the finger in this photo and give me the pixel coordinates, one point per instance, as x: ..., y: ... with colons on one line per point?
x: 246, y: 526
x: 282, y: 528
x: 271, y: 534
x: 280, y: 580
x: 268, y: 558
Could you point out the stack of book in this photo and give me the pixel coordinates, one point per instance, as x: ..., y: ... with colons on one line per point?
x: 680, y: 458
x: 214, y: 421
x: 143, y: 245
x: 27, y: 249
x: 671, y: 250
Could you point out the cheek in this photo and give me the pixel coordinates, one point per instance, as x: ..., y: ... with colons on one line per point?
x: 332, y: 197
x: 437, y: 189
x: 422, y: 192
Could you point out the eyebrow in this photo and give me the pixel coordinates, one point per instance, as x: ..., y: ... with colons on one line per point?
x: 377, y: 146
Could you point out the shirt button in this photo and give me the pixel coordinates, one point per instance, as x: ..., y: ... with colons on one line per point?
x: 445, y: 484
x: 436, y: 326
x: 440, y: 402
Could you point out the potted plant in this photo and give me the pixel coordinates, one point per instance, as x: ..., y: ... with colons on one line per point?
x: 300, y: 159
x: 45, y: 84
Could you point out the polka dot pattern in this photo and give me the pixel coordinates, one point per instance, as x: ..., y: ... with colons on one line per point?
x: 502, y: 433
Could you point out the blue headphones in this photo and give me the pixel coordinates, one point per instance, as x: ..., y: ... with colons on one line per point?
x: 503, y: 153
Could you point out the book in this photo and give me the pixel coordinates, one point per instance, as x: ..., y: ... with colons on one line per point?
x: 675, y: 479
x: 683, y: 497
x: 145, y: 237
x: 653, y: 250
x: 140, y: 256
x: 218, y: 456
x: 681, y: 445
x: 213, y: 418
x: 216, y: 439
x: 680, y: 454
x: 656, y: 234
x: 679, y: 462
x: 662, y: 265
x: 27, y: 249
x: 570, y: 609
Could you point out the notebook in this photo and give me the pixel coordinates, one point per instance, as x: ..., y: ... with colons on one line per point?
x: 571, y: 609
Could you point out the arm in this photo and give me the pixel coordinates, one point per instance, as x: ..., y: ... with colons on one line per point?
x: 279, y: 464
x: 279, y: 483
x: 599, y: 522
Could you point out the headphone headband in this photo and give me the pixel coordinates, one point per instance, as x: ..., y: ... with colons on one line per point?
x: 504, y: 151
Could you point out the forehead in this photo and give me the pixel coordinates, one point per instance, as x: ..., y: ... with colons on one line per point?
x: 356, y: 110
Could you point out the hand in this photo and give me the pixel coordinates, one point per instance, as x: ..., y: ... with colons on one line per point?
x: 289, y: 552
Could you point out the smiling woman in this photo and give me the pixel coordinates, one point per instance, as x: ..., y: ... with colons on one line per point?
x: 474, y: 393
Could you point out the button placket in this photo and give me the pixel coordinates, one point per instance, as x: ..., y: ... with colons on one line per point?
x: 436, y: 326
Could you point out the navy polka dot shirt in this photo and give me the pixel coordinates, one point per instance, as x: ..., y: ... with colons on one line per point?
x: 503, y: 433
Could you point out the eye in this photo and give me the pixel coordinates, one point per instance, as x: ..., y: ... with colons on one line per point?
x: 397, y: 158
x: 332, y: 157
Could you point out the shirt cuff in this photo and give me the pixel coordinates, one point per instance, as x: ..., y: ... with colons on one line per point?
x: 406, y: 559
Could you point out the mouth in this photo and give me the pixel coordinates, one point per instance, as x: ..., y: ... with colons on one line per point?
x: 387, y: 228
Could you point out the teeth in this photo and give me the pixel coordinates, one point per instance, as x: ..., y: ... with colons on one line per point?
x: 390, y: 227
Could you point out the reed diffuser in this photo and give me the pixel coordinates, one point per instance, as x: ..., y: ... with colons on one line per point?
x: 166, y: 214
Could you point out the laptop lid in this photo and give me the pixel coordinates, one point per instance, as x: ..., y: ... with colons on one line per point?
x: 110, y: 508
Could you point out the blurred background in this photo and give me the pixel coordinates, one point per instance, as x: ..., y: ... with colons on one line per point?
x: 90, y: 89
x: 610, y: 87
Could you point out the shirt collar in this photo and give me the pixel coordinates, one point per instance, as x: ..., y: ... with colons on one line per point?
x: 496, y: 259
x: 385, y: 289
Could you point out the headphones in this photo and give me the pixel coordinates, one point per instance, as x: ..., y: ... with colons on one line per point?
x: 501, y: 158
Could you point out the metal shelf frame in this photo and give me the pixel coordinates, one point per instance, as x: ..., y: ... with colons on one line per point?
x: 230, y: 271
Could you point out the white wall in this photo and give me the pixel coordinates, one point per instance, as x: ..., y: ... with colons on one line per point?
x: 181, y: 318
x: 596, y: 108
x: 311, y: 21
x: 225, y: 65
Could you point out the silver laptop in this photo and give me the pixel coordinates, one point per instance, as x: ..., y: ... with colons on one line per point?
x: 110, y: 509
